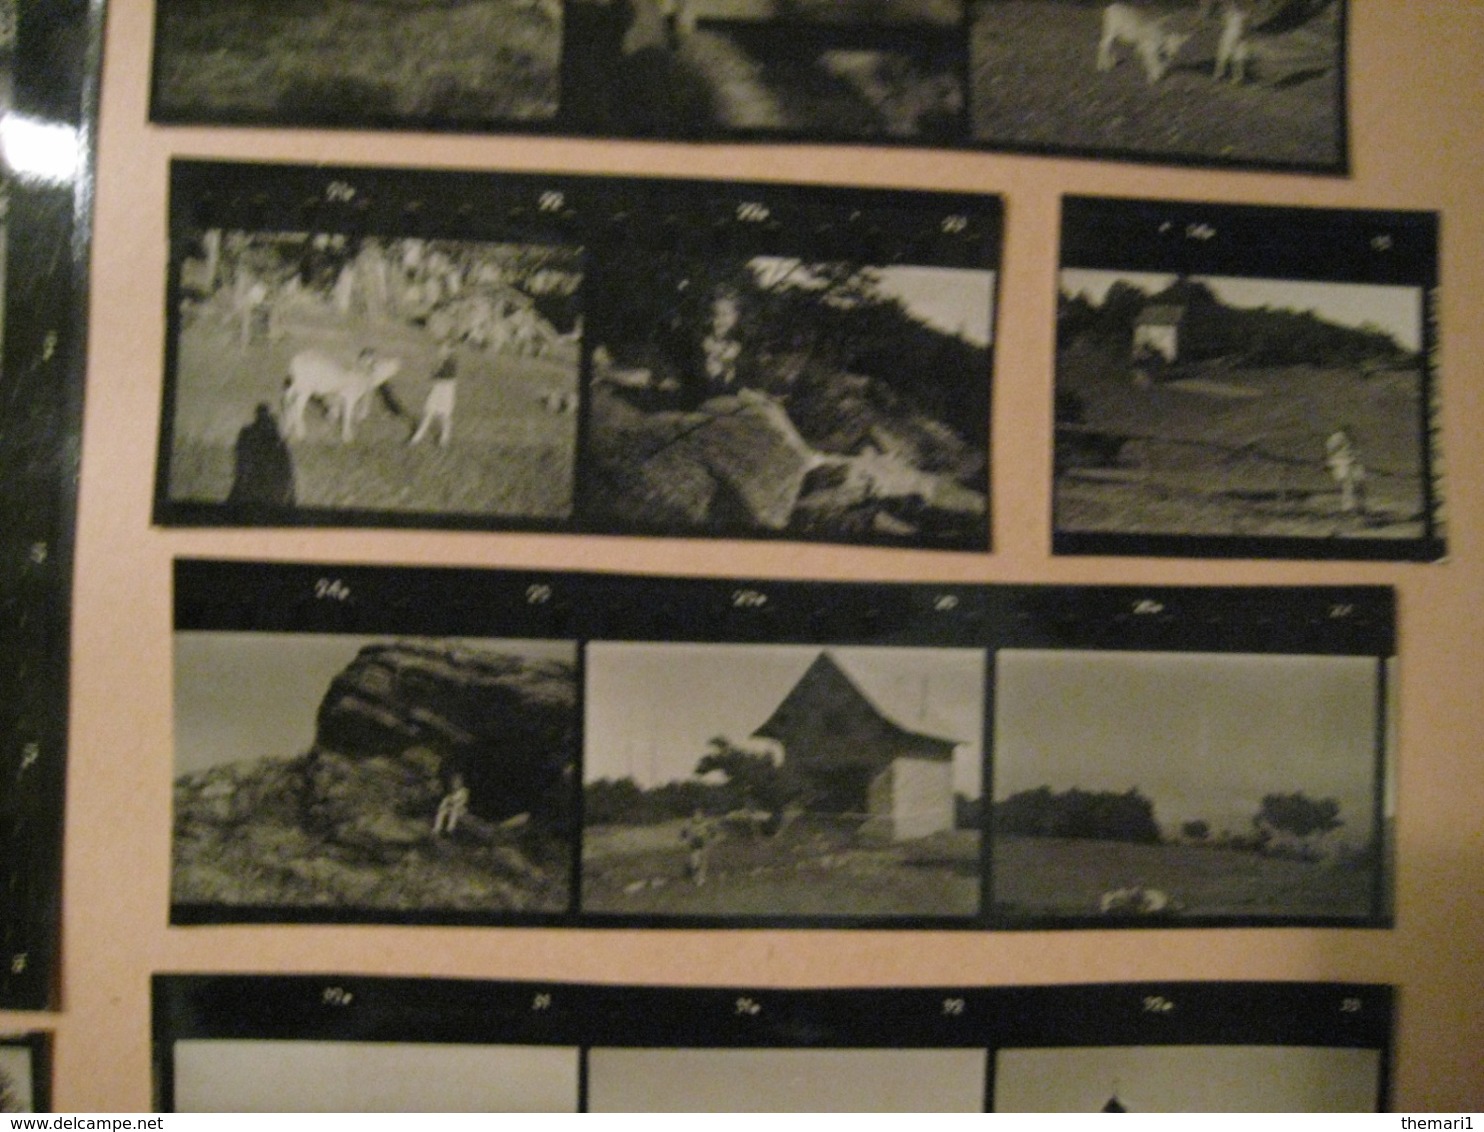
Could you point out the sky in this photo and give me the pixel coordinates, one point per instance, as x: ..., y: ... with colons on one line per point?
x: 255, y: 695
x: 1396, y: 310
x: 1202, y: 735
x: 786, y: 1080
x: 651, y: 708
x: 267, y: 1075
x: 954, y: 300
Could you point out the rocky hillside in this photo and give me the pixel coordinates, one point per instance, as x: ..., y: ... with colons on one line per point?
x: 350, y: 823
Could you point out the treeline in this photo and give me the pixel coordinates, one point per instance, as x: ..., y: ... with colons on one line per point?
x: 1078, y: 815
x: 1210, y: 330
x: 622, y: 801
x: 1284, y: 823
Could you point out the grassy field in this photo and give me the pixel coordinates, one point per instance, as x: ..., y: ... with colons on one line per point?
x: 1035, y: 83
x: 351, y: 61
x: 1047, y: 876
x: 1235, y: 451
x: 509, y: 456
x: 809, y: 869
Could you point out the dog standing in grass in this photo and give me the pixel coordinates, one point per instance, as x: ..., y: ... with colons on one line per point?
x: 441, y: 396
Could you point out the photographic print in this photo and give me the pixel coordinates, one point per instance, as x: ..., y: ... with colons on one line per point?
x: 323, y: 372
x: 775, y: 781
x: 888, y: 70
x: 1227, y: 82
x: 469, y: 64
x: 1242, y: 411
x: 329, y: 776
x: 1155, y: 788
x: 265, y: 1075
x: 786, y: 1080
x: 751, y: 391
x: 1188, y: 1078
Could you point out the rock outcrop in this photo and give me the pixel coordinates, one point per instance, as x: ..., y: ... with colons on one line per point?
x: 404, y: 718
x: 350, y: 823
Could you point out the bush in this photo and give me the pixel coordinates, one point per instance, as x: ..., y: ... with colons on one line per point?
x: 1078, y: 814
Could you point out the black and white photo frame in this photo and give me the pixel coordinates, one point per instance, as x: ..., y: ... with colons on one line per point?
x: 359, y: 347
x: 1243, y: 83
x: 25, y: 1072
x: 1247, y: 381
x: 314, y: 1043
x: 370, y: 745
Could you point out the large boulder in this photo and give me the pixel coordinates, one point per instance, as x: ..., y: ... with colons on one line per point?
x: 736, y: 461
x: 405, y: 717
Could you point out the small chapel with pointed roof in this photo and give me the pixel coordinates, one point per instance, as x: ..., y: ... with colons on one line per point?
x: 857, y: 761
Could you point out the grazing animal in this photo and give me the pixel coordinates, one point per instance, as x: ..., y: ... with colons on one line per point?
x: 1151, y: 39
x: 346, y: 390
x: 1234, y: 49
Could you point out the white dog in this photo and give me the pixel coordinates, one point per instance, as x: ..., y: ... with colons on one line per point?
x: 346, y: 390
x: 1154, y: 43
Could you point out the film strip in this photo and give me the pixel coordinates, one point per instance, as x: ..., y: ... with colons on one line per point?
x: 1239, y: 381
x: 404, y: 348
x: 245, y: 1043
x: 373, y: 744
x: 1258, y: 84
x: 48, y: 67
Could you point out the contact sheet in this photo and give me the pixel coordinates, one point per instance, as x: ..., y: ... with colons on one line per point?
x: 379, y: 347
x: 373, y: 744
x: 1255, y: 85
x: 333, y: 1043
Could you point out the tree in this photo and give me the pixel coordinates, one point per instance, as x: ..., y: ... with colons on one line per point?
x: 1080, y: 814
x: 753, y: 780
x: 1298, y: 814
x: 1197, y: 830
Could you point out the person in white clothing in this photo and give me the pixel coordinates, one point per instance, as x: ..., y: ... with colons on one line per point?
x: 440, y: 401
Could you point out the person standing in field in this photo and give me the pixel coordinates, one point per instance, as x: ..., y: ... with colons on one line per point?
x: 440, y: 401
x: 696, y: 835
x: 1342, y: 458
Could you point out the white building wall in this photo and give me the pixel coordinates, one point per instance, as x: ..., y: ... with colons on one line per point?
x: 912, y: 798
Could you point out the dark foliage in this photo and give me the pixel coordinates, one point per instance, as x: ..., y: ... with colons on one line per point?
x: 968, y: 813
x: 621, y: 801
x: 1197, y: 830
x: 807, y: 335
x: 1080, y: 814
x: 1211, y: 330
x: 1298, y: 814
x: 753, y: 780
